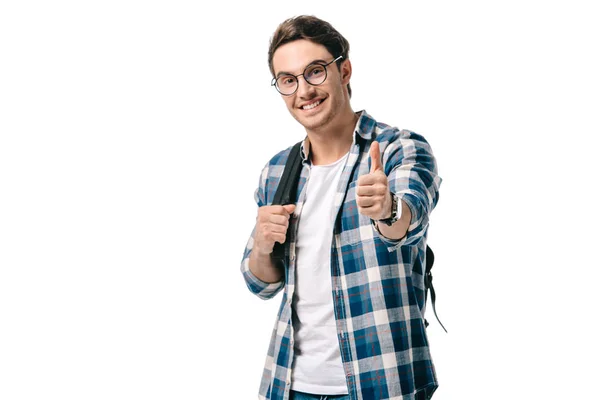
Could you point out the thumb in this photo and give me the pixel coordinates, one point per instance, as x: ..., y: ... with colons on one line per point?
x: 289, y: 208
x: 375, y: 157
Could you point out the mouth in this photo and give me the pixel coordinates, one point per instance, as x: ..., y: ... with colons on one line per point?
x: 314, y: 105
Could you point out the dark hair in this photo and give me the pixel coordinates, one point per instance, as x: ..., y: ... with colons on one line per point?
x: 310, y: 28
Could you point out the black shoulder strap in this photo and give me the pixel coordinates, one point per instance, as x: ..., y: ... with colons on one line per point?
x: 429, y: 259
x: 286, y: 192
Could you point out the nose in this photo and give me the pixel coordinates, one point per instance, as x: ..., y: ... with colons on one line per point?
x: 305, y: 89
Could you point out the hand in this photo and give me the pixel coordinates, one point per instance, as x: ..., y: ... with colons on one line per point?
x: 372, y: 190
x: 271, y: 226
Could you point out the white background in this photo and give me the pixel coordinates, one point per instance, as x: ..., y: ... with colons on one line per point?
x: 132, y: 138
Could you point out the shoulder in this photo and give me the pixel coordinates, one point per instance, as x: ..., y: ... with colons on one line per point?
x: 280, y: 158
x: 274, y: 167
x: 371, y: 129
x: 272, y: 172
x: 393, y: 135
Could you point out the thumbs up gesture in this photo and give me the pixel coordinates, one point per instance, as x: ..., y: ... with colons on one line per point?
x: 372, y: 190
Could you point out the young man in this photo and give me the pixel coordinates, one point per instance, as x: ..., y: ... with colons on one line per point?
x: 351, y: 324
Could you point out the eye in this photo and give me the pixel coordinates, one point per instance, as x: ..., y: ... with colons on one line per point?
x: 315, y: 71
x: 286, y: 80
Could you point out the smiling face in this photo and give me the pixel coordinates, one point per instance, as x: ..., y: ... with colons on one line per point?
x: 314, y: 107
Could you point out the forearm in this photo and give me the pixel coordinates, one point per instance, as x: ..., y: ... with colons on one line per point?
x: 262, y: 266
x: 399, y: 229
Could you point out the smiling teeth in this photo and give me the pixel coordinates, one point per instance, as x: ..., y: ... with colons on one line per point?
x: 311, y: 106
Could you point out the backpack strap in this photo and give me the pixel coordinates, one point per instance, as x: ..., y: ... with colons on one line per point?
x: 429, y: 259
x: 286, y: 194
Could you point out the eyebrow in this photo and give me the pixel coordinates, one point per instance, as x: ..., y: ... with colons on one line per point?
x: 310, y: 63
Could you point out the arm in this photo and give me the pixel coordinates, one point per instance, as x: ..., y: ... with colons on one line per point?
x: 271, y: 226
x: 413, y: 178
x: 260, y: 274
x: 408, y: 170
x: 262, y: 277
x: 399, y: 229
x: 262, y: 266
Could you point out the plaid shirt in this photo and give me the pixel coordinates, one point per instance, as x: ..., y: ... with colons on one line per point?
x: 378, y: 283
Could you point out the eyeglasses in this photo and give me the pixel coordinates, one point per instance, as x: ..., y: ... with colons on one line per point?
x: 314, y: 74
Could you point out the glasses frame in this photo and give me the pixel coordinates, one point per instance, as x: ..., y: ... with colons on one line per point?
x: 274, y: 80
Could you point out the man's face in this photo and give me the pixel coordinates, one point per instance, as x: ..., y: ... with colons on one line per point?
x: 293, y: 58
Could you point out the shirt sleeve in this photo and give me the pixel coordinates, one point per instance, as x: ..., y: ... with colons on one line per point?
x: 412, y: 174
x: 262, y: 289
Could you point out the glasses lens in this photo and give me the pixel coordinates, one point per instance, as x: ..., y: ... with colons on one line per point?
x: 286, y: 84
x: 315, y: 74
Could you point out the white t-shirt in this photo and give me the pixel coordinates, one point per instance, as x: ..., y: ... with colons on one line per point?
x: 317, y: 366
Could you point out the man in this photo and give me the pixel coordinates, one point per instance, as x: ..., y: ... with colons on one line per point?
x: 351, y: 324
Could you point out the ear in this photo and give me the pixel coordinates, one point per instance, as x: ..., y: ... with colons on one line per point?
x: 346, y: 71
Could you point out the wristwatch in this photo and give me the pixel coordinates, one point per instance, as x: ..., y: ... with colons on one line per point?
x: 396, y: 211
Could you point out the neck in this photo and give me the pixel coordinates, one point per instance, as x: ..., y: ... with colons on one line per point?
x: 328, y: 144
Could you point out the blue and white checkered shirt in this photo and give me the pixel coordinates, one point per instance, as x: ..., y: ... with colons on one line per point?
x: 378, y: 283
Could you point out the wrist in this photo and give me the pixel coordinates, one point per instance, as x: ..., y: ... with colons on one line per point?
x: 394, y: 212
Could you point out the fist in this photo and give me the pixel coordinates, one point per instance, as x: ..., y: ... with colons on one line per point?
x: 373, y: 196
x: 271, y: 226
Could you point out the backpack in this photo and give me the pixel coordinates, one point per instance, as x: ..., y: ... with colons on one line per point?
x: 286, y: 194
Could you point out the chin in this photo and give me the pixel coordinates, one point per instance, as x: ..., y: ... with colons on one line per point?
x: 314, y: 122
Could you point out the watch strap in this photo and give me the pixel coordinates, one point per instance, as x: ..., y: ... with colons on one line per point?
x: 394, y: 216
